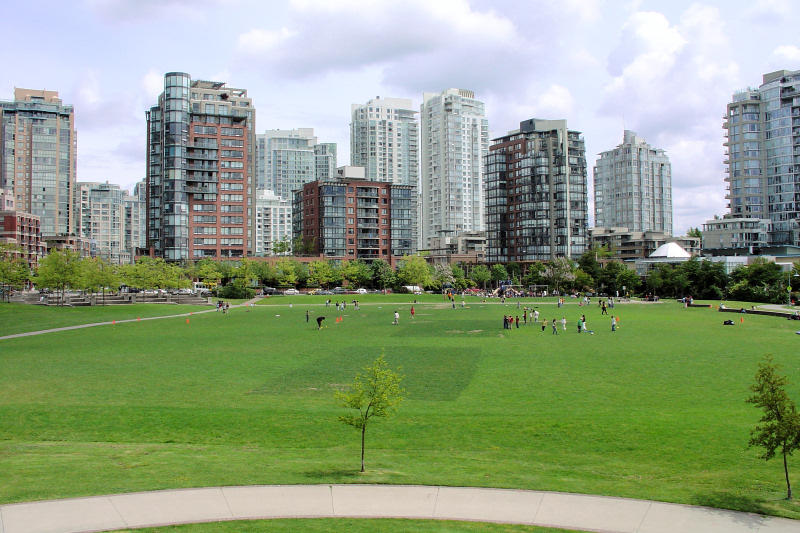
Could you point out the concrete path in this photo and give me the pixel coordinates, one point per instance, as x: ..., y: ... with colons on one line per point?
x: 553, y: 509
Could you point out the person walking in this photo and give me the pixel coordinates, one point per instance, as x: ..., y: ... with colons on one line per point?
x: 555, y: 327
x: 580, y: 325
x: 613, y: 323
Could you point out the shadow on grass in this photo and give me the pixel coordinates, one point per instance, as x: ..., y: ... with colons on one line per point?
x: 722, y: 501
x: 333, y: 474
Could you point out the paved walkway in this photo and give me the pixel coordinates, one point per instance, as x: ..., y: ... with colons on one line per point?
x: 553, y: 509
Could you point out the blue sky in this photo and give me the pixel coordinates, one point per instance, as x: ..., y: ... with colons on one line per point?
x: 663, y: 69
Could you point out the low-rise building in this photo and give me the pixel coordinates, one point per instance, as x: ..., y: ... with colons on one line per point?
x: 736, y: 232
x: 467, y: 247
x: 628, y: 245
x: 22, y: 230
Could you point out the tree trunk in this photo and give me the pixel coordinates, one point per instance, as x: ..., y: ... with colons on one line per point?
x: 786, y: 472
x: 364, y: 430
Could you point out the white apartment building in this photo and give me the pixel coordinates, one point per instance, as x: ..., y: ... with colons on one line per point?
x: 736, y: 232
x: 110, y: 219
x: 288, y: 159
x: 273, y: 221
x: 762, y: 144
x: 633, y: 187
x: 455, y: 140
x: 384, y: 140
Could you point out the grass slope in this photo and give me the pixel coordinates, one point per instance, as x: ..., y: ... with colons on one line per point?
x: 655, y: 410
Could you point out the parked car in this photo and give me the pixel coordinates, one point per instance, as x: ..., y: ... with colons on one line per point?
x: 268, y: 290
x: 339, y: 290
x: 291, y: 291
x: 361, y: 291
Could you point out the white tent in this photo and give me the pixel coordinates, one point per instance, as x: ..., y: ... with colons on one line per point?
x: 671, y: 250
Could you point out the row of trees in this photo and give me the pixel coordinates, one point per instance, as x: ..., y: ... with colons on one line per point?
x: 761, y: 281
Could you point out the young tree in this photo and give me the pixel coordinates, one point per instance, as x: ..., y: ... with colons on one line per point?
x: 286, y: 275
x: 443, y: 276
x: 357, y: 273
x: 559, y: 272
x: 320, y: 273
x: 382, y: 274
x: 282, y: 247
x: 58, y: 270
x: 415, y: 271
x: 14, y: 271
x: 376, y: 392
x: 480, y: 275
x: 779, y: 427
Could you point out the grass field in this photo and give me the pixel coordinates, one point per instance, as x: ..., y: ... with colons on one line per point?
x: 20, y: 318
x: 351, y: 526
x: 655, y: 410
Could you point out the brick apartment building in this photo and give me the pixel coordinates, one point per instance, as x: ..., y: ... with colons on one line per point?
x: 353, y: 218
x: 200, y: 171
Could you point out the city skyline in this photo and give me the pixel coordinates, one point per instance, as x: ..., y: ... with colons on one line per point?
x: 666, y: 71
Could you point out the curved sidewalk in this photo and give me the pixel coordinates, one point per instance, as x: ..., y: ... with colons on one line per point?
x: 553, y: 509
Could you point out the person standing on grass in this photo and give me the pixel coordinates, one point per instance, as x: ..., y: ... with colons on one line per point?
x: 517, y: 321
x: 544, y: 324
x: 396, y: 318
x: 613, y: 323
x: 525, y: 316
x: 536, y: 316
x: 555, y: 327
x: 580, y: 325
x: 306, y: 316
x: 412, y: 311
x: 564, y: 323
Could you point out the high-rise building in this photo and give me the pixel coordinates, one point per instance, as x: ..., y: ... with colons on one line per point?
x: 633, y: 187
x: 38, y: 152
x: 384, y: 140
x: 200, y: 171
x: 355, y: 218
x: 288, y: 159
x: 455, y: 140
x: 273, y: 222
x: 762, y: 146
x: 326, y: 161
x: 135, y: 239
x: 103, y: 220
x: 536, y: 202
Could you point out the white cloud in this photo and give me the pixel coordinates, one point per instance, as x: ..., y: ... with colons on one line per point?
x: 787, y: 52
x: 153, y: 84
x: 413, y: 40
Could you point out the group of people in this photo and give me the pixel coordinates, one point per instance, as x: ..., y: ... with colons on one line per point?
x: 223, y: 306
x: 511, y: 321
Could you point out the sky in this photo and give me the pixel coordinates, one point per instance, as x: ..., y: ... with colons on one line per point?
x: 665, y: 69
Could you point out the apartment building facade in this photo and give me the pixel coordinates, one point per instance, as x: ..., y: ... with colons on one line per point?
x: 200, y: 171
x: 633, y: 187
x: 454, y: 134
x: 762, y: 130
x: 536, y: 202
x: 38, y: 155
x: 356, y: 218
x: 384, y: 140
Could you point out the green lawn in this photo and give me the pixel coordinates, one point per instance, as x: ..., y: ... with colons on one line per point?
x: 20, y: 318
x: 655, y: 410
x: 351, y: 526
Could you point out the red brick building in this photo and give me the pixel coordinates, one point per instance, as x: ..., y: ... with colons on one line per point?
x: 352, y: 218
x: 24, y: 231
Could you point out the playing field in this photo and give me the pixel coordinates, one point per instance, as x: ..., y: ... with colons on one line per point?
x: 655, y: 410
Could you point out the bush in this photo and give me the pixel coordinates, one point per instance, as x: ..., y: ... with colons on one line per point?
x: 237, y: 289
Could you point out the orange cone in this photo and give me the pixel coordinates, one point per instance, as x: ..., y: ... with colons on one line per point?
x: 741, y: 320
